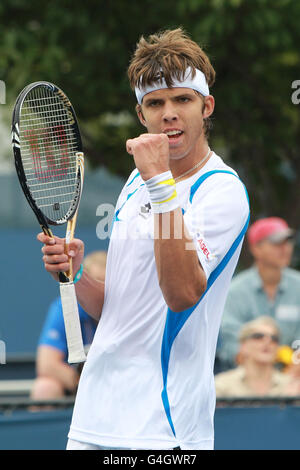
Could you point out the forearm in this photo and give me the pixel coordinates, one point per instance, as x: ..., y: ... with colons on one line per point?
x: 181, y: 277
x: 90, y: 295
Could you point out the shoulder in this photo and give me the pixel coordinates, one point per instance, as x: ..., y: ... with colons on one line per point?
x: 221, y: 183
x: 133, y: 179
x: 222, y: 198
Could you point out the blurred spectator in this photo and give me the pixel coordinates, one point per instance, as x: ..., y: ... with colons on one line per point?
x: 269, y: 287
x: 256, y: 374
x: 55, y: 377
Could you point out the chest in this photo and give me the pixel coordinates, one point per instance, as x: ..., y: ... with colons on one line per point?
x: 134, y: 217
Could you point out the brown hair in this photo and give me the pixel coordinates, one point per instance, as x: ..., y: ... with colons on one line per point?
x: 171, y: 52
x: 168, y: 54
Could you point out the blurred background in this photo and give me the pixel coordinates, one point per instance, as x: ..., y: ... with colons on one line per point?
x: 85, y: 48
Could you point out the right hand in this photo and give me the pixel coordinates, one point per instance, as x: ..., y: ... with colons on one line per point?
x: 55, y: 259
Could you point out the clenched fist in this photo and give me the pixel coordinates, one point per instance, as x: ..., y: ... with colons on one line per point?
x: 150, y: 153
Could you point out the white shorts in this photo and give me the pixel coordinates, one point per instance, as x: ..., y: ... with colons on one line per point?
x: 77, y: 445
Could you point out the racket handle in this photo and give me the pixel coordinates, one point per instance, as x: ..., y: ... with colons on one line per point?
x: 61, y: 276
x: 72, y: 323
x: 69, y: 237
x: 72, y: 222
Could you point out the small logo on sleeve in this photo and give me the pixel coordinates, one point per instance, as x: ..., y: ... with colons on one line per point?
x: 203, y: 247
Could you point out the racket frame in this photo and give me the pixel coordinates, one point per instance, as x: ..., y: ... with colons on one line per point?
x: 67, y: 288
x: 43, y: 220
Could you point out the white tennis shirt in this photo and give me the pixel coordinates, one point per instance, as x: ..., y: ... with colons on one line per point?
x: 148, y: 381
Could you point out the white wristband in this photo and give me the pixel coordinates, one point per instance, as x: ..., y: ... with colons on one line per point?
x: 162, y: 192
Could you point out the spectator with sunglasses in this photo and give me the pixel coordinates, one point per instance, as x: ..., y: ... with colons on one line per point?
x: 256, y: 374
x: 269, y: 288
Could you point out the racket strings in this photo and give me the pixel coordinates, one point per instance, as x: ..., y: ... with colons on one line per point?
x: 48, y: 150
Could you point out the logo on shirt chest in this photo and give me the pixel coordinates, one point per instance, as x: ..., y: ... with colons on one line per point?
x: 145, y: 210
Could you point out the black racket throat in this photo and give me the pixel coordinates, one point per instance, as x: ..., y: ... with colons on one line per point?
x: 63, y: 278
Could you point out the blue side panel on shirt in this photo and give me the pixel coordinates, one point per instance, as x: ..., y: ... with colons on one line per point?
x: 176, y: 320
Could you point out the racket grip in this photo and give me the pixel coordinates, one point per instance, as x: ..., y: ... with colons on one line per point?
x: 76, y: 352
x: 69, y: 237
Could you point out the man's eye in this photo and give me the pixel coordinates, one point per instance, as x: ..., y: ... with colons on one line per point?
x: 183, y: 99
x: 154, y: 103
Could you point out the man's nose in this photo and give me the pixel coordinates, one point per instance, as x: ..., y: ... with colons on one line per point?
x: 169, y: 113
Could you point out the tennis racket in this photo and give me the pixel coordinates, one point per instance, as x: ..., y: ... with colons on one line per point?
x: 50, y: 166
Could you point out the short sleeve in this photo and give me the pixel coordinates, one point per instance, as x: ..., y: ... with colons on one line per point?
x: 216, y: 216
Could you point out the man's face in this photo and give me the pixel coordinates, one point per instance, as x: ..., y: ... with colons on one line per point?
x: 276, y: 255
x: 179, y: 113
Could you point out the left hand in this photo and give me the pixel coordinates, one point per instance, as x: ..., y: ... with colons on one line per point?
x: 150, y: 153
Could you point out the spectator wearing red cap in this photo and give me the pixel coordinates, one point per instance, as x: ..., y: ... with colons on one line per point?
x: 272, y: 229
x: 269, y: 287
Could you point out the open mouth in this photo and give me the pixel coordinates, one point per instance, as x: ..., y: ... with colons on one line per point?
x: 174, y: 134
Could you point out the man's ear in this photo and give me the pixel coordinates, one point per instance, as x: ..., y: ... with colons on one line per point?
x: 209, y: 106
x: 140, y: 115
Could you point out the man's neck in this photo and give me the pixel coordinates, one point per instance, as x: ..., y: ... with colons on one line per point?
x: 182, y: 165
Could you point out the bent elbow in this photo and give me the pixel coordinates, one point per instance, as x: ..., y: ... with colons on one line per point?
x: 180, y: 305
x: 186, y: 299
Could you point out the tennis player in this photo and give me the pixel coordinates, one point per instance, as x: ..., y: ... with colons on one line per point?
x: 178, y: 229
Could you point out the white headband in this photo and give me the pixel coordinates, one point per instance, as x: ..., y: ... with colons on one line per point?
x: 197, y: 83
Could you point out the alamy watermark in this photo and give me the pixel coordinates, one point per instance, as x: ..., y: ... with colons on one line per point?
x: 2, y: 352
x: 2, y: 92
x: 170, y: 228
x: 296, y: 94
